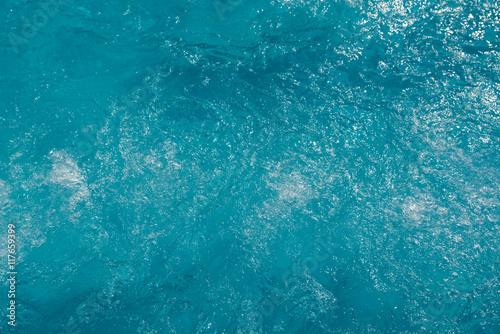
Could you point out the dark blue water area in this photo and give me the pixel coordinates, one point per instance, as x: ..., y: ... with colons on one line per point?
x: 236, y: 166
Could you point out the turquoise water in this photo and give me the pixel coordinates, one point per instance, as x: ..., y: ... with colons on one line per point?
x: 251, y: 166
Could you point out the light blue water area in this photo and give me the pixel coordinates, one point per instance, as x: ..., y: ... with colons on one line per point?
x: 237, y: 166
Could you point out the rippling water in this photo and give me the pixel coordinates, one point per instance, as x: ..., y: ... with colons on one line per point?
x: 237, y: 166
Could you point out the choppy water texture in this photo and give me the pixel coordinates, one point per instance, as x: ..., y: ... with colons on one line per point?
x: 252, y: 166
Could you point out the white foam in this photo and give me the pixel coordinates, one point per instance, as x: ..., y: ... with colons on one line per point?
x: 65, y: 172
